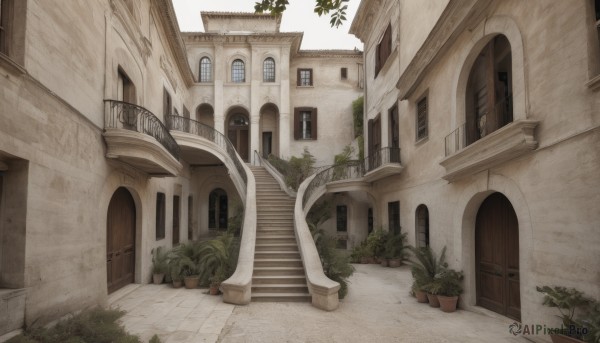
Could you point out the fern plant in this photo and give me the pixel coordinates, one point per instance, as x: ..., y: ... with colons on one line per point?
x: 425, y: 265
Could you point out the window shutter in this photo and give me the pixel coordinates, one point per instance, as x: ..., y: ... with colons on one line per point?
x: 313, y: 123
x: 297, y: 128
x: 298, y: 77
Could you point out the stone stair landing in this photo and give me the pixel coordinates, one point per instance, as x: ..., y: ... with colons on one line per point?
x: 278, y: 273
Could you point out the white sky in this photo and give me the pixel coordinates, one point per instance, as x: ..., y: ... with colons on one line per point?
x: 299, y: 17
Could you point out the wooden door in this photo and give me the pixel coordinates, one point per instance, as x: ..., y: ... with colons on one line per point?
x: 497, y: 257
x: 243, y: 144
x: 120, y: 240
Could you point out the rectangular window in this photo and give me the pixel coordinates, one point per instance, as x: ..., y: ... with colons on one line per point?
x: 305, y: 77
x: 342, y: 217
x: 394, y: 216
x: 167, y: 105
x: 344, y: 73
x: 176, y: 215
x: 370, y: 220
x: 5, y: 23
x: 422, y: 119
x: 305, y: 123
x: 190, y: 212
x: 160, y: 216
x: 383, y: 50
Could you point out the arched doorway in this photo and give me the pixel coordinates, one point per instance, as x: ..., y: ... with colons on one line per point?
x: 497, y: 257
x: 120, y: 240
x: 205, y: 115
x: 217, y: 209
x: 238, y: 132
x: 422, y: 225
x: 269, y: 130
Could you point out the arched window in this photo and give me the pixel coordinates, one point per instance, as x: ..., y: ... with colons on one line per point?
x: 489, y: 90
x: 217, y: 209
x: 205, y: 70
x: 422, y: 224
x: 238, y: 71
x: 269, y: 70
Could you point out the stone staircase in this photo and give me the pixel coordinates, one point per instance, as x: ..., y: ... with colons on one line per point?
x: 278, y: 272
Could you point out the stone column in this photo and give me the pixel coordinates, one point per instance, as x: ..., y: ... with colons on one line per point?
x: 284, y: 106
x: 220, y: 76
x: 255, y: 79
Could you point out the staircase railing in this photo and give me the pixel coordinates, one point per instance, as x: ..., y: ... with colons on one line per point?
x: 236, y: 289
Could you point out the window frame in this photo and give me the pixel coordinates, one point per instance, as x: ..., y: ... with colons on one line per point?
x: 298, y: 127
x: 268, y: 74
x: 205, y: 77
x: 299, y: 78
x: 239, y: 71
x: 160, y: 222
x: 422, y: 100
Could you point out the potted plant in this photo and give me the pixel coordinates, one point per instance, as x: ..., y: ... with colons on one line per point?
x: 159, y: 265
x: 447, y: 286
x: 376, y: 244
x: 568, y: 301
x: 175, y: 264
x: 395, y: 249
x: 358, y: 254
x: 219, y: 258
x: 419, y: 293
x: 187, y: 257
x: 215, y: 281
x: 424, y: 267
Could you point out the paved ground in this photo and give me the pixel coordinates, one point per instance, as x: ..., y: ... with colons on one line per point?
x: 378, y: 308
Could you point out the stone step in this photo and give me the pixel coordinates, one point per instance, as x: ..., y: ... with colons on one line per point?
x: 263, y: 262
x: 276, y: 247
x: 278, y: 271
x: 279, y: 288
x: 277, y: 254
x: 274, y: 232
x: 270, y: 225
x: 275, y: 239
x: 278, y: 279
x: 281, y: 297
x: 275, y: 216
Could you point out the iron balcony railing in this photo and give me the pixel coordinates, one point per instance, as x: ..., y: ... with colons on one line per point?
x: 352, y: 169
x: 123, y: 115
x: 462, y: 137
x: 191, y: 126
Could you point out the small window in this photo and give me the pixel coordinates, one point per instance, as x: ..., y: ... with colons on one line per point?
x: 383, y: 50
x: 370, y: 220
x: 190, y: 229
x: 422, y: 119
x: 269, y: 70
x: 305, y: 123
x: 238, y: 71
x: 205, y: 70
x: 394, y: 217
x: 305, y: 77
x: 167, y: 104
x: 176, y: 214
x: 422, y: 222
x: 160, y: 216
x: 342, y: 217
x: 344, y: 73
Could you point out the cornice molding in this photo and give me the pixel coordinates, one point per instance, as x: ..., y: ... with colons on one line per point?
x: 330, y: 53
x: 457, y: 16
x: 206, y: 16
x: 363, y: 21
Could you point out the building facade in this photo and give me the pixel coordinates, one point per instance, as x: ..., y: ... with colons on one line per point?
x: 91, y: 176
x: 494, y: 107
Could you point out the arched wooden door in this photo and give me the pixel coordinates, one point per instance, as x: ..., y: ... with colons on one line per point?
x: 239, y: 134
x: 120, y: 240
x: 497, y: 257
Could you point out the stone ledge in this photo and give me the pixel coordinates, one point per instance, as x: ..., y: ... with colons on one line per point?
x: 383, y: 171
x: 504, y: 144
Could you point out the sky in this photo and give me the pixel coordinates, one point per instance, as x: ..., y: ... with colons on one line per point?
x: 298, y: 17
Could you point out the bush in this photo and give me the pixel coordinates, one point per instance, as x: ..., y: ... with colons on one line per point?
x: 296, y: 170
x: 376, y: 242
x: 93, y: 326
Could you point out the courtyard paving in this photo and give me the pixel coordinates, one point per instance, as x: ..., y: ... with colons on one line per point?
x: 378, y: 308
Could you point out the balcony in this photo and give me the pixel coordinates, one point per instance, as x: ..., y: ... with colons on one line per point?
x: 508, y: 142
x: 138, y: 138
x: 382, y: 163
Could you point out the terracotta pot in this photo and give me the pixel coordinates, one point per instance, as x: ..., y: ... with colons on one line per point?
x: 191, y: 282
x: 364, y: 260
x: 564, y: 339
x: 395, y: 263
x: 421, y: 296
x: 433, y: 300
x: 384, y: 262
x: 177, y: 283
x: 157, y: 279
x: 214, y: 289
x: 447, y: 304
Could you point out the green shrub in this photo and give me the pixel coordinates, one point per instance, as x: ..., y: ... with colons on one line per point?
x: 357, y: 116
x: 376, y: 242
x: 425, y: 266
x: 296, y: 170
x: 159, y: 261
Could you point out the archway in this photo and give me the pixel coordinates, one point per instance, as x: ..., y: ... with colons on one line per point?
x: 269, y: 130
x: 120, y: 240
x: 497, y: 257
x: 422, y: 226
x: 205, y: 114
x: 238, y: 131
x: 217, y: 209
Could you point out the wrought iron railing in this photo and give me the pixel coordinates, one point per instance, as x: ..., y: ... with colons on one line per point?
x: 352, y: 169
x: 188, y: 125
x: 123, y: 115
x: 455, y: 141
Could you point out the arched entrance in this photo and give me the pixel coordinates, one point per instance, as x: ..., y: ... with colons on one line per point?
x: 238, y: 132
x: 269, y: 130
x: 217, y: 209
x: 422, y: 225
x: 120, y: 240
x: 206, y: 115
x: 497, y: 257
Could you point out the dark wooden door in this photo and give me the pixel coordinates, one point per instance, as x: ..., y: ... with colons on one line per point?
x: 497, y: 257
x: 120, y: 240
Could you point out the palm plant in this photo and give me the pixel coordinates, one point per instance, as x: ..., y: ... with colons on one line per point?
x: 159, y: 261
x: 447, y: 283
x: 219, y: 256
x: 395, y: 246
x: 425, y: 266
